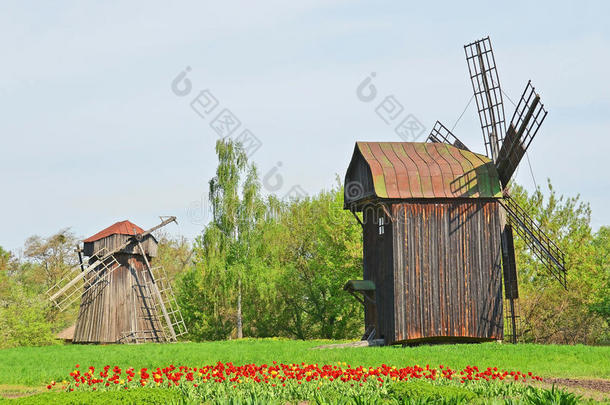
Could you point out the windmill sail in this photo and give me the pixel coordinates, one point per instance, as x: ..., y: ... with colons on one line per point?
x: 80, y: 279
x: 487, y: 94
x: 524, y: 125
x: 441, y: 134
x: 539, y: 243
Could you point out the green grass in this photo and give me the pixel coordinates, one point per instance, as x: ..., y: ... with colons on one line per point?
x: 33, y: 366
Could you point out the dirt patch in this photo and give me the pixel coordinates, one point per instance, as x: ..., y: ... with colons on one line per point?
x: 595, y: 385
x: 18, y: 391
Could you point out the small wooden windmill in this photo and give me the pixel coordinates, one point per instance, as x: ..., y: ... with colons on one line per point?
x: 123, y: 298
x: 438, y: 223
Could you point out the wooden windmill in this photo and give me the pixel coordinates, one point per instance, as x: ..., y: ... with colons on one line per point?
x: 438, y: 223
x: 122, y: 298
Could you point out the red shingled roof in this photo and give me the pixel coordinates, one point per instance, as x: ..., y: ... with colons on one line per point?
x: 120, y: 228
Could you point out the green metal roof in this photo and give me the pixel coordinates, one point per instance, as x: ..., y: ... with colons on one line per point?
x: 403, y: 170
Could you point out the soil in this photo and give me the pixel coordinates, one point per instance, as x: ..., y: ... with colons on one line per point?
x: 595, y: 385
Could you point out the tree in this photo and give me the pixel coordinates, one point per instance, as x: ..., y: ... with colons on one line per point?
x: 174, y: 254
x: 601, y: 257
x: 55, y: 254
x: 23, y: 314
x: 293, y: 259
x: 552, y: 315
x: 223, y: 252
x: 23, y: 320
x: 322, y: 250
x: 4, y: 259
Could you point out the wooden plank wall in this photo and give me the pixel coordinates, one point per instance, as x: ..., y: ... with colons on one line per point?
x: 447, y: 271
x: 378, y: 267
x: 117, y: 306
x: 358, y: 180
x: 113, y: 241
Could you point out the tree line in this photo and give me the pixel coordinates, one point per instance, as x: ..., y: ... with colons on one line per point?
x: 264, y: 267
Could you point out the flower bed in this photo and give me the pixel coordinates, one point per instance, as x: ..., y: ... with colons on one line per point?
x: 277, y: 375
x: 287, y: 382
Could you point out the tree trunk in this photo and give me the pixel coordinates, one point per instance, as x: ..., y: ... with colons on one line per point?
x: 240, y: 333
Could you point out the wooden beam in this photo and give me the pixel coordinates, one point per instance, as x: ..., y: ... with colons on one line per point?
x: 387, y: 212
x: 158, y: 294
x: 357, y: 218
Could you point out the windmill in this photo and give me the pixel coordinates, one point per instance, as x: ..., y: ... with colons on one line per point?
x: 506, y: 148
x: 438, y: 223
x: 123, y: 299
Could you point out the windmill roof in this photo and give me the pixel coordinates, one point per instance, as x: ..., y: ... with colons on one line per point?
x: 120, y: 228
x: 403, y: 170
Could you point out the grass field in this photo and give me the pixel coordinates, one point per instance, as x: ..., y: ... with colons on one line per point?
x: 33, y: 366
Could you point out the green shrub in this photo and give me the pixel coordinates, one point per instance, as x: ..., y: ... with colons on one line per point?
x: 554, y: 396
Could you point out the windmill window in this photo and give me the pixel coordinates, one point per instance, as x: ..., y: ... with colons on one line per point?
x: 381, y: 226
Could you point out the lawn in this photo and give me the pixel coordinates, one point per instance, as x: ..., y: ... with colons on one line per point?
x: 36, y: 366
x: 33, y: 366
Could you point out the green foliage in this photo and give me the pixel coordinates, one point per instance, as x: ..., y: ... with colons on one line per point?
x: 550, y: 314
x: 142, y: 396
x: 26, y: 317
x: 600, y: 304
x: 173, y: 254
x: 225, y: 268
x: 554, y: 396
x: 293, y: 263
x: 278, y: 267
x: 431, y: 392
x: 53, y: 255
x: 23, y: 320
x: 402, y: 393
x: 4, y: 259
x: 321, y: 250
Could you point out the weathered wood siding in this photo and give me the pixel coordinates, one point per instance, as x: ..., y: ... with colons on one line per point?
x: 114, y: 241
x: 378, y: 267
x: 358, y: 184
x: 447, y: 274
x: 118, y: 306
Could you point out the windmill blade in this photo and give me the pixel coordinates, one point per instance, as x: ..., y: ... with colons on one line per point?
x: 539, y: 243
x: 487, y: 94
x: 80, y: 279
x: 524, y: 125
x: 441, y: 134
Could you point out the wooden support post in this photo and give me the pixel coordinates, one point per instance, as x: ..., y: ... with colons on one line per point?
x: 513, y: 319
x: 80, y: 259
x: 158, y: 294
x: 357, y: 218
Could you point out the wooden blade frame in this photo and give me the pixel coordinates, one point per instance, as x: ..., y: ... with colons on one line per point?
x: 538, y: 242
x: 525, y: 123
x: 487, y: 94
x: 80, y: 279
x: 441, y: 134
x: 68, y: 288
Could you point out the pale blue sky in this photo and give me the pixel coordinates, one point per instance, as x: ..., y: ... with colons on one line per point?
x: 92, y: 133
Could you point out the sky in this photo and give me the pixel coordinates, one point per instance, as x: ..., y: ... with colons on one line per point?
x: 104, y: 105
